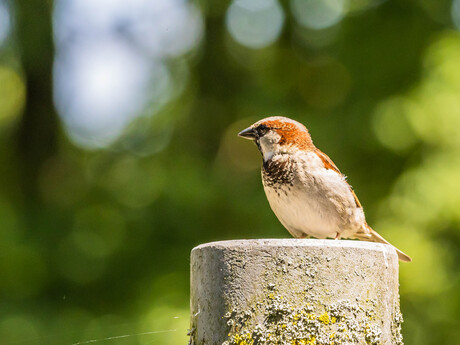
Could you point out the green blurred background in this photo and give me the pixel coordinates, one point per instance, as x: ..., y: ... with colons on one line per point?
x: 119, y: 153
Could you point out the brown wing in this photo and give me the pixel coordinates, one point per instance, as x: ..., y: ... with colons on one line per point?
x: 329, y: 164
x: 358, y: 204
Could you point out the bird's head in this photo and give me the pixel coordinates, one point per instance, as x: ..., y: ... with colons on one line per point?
x: 278, y: 135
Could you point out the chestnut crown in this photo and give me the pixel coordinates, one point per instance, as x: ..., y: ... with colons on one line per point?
x: 277, y: 135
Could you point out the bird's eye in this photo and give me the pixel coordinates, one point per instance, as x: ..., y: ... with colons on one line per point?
x: 261, y: 130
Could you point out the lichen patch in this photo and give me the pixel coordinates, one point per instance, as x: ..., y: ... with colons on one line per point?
x: 315, y: 323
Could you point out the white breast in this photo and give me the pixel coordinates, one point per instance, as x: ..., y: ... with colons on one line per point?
x: 319, y: 203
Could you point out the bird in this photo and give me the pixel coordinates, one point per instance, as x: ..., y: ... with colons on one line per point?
x: 305, y: 189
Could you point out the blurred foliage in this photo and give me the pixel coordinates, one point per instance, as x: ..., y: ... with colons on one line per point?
x: 97, y: 222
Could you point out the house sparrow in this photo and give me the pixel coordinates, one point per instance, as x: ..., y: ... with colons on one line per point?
x: 307, y: 192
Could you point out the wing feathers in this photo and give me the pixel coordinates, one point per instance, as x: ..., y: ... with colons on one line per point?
x: 329, y: 164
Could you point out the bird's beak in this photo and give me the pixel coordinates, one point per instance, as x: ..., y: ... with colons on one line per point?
x: 248, y: 133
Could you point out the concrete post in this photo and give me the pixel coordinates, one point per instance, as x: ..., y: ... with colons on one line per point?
x: 296, y: 292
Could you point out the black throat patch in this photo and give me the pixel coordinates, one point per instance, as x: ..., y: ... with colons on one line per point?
x: 278, y: 171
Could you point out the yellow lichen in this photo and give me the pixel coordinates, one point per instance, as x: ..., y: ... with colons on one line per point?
x: 333, y: 319
x: 324, y: 318
x: 311, y: 341
x: 245, y: 339
x: 310, y: 316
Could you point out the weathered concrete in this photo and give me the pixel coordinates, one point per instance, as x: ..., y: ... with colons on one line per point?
x: 293, y: 291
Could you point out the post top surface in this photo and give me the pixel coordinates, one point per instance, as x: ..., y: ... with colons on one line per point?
x: 299, y: 243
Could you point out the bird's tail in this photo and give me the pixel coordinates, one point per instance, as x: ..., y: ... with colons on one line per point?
x: 373, y: 236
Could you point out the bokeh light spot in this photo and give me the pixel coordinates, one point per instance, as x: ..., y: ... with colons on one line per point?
x: 167, y: 28
x: 18, y: 330
x: 5, y: 21
x: 392, y: 126
x: 162, y: 28
x: 437, y: 97
x: 12, y: 89
x: 99, y: 89
x: 318, y: 15
x: 111, y: 65
x: 255, y: 23
x: 455, y: 12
